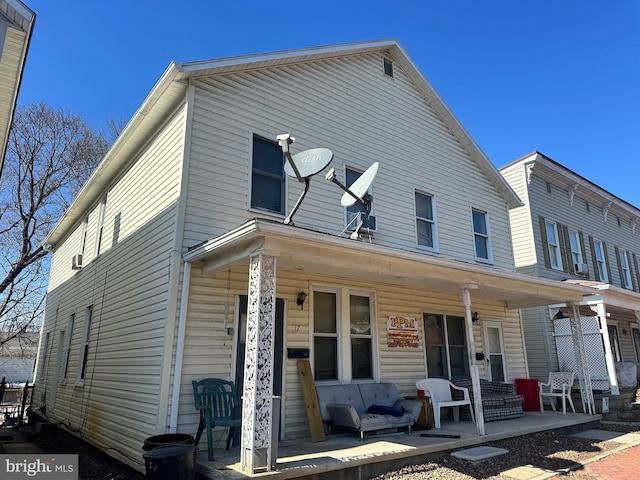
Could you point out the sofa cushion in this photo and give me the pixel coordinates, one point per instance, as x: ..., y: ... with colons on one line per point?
x: 384, y: 394
x: 345, y: 394
x: 493, y: 400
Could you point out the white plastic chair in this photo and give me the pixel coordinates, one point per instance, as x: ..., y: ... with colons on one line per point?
x: 559, y: 386
x: 439, y: 390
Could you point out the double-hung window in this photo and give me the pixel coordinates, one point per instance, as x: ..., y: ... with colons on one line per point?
x: 67, y: 347
x: 625, y: 271
x: 267, y: 176
x: 576, y: 251
x: 553, y: 244
x: 481, y: 238
x: 601, y: 261
x: 343, y: 324
x: 445, y: 341
x: 425, y: 221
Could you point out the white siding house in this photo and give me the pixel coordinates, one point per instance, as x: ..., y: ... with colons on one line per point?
x: 570, y: 229
x: 195, y: 260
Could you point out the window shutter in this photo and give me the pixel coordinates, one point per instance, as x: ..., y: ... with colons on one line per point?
x: 633, y: 270
x: 596, y: 272
x: 545, y: 243
x: 565, y: 248
x: 620, y: 272
x: 606, y: 260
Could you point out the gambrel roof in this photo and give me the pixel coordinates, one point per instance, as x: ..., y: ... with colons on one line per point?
x: 171, y: 89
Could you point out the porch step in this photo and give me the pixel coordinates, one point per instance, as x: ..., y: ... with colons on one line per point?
x: 477, y: 454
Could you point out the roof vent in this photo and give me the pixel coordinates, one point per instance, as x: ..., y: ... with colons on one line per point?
x: 388, y: 67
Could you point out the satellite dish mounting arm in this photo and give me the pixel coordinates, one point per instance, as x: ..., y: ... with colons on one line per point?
x: 284, y: 141
x: 366, y: 199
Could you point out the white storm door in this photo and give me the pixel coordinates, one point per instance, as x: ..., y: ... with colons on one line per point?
x: 496, y: 369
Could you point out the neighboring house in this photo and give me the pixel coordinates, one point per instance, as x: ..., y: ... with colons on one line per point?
x: 16, y: 26
x: 17, y: 357
x: 175, y: 262
x: 572, y: 230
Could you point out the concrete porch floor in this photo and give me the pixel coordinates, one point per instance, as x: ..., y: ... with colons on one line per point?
x: 343, y: 455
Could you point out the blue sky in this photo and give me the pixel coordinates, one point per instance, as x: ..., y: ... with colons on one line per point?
x: 561, y: 77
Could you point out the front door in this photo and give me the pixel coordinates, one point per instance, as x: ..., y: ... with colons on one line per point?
x: 241, y: 346
x: 494, y: 352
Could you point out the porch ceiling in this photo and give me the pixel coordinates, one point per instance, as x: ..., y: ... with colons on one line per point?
x: 301, y: 250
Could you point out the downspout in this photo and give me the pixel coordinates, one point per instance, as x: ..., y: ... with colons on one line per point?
x: 182, y: 327
x: 475, y: 375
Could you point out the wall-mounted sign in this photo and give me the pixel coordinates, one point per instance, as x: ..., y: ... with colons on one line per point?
x: 402, y: 332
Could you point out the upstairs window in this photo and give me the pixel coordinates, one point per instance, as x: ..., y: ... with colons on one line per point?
x: 625, y: 271
x: 267, y: 176
x: 100, y: 231
x: 356, y: 211
x: 553, y: 244
x: 67, y: 347
x: 425, y: 221
x: 577, y: 258
x: 481, y: 235
x: 600, y: 261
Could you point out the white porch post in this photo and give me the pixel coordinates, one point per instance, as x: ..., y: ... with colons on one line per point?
x: 475, y: 375
x: 600, y: 309
x: 582, y: 363
x: 257, y: 401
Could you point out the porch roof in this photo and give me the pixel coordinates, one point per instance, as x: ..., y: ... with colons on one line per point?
x: 610, y: 295
x: 302, y: 250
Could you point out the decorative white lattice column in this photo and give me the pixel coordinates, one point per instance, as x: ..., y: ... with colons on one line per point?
x: 601, y: 310
x: 257, y: 401
x: 582, y: 363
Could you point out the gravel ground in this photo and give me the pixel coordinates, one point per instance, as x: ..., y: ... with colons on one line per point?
x: 546, y: 450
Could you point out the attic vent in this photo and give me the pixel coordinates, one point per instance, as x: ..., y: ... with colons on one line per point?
x: 388, y: 67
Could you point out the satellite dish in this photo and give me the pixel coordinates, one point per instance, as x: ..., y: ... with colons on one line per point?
x: 360, y: 187
x: 358, y: 192
x: 308, y: 163
x: 302, y: 166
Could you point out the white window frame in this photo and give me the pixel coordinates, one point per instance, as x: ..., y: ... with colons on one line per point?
x: 486, y: 235
x: 45, y: 354
x: 344, y: 335
x: 601, y: 260
x: 576, y: 248
x: 635, y: 339
x: 83, y: 360
x: 623, y: 258
x: 433, y: 222
x: 553, y: 245
x: 83, y: 239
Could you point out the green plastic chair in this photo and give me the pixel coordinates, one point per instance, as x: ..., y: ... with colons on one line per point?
x: 217, y: 401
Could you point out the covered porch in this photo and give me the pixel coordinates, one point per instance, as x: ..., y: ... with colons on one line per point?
x: 345, y: 454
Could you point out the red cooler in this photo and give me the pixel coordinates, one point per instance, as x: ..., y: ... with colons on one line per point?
x: 529, y: 388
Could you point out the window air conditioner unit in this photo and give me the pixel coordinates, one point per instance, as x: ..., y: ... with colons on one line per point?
x: 581, y: 268
x: 76, y: 262
x: 353, y: 220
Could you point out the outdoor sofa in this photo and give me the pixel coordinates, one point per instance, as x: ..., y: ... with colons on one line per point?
x: 499, y: 400
x: 366, y: 407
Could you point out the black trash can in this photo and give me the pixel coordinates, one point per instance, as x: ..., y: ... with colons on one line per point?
x: 167, y: 439
x: 171, y: 462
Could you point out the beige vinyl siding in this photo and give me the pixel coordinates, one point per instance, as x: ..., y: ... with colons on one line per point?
x: 363, y: 116
x: 520, y: 219
x: 541, y: 347
x: 128, y: 286
x: 210, y: 351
